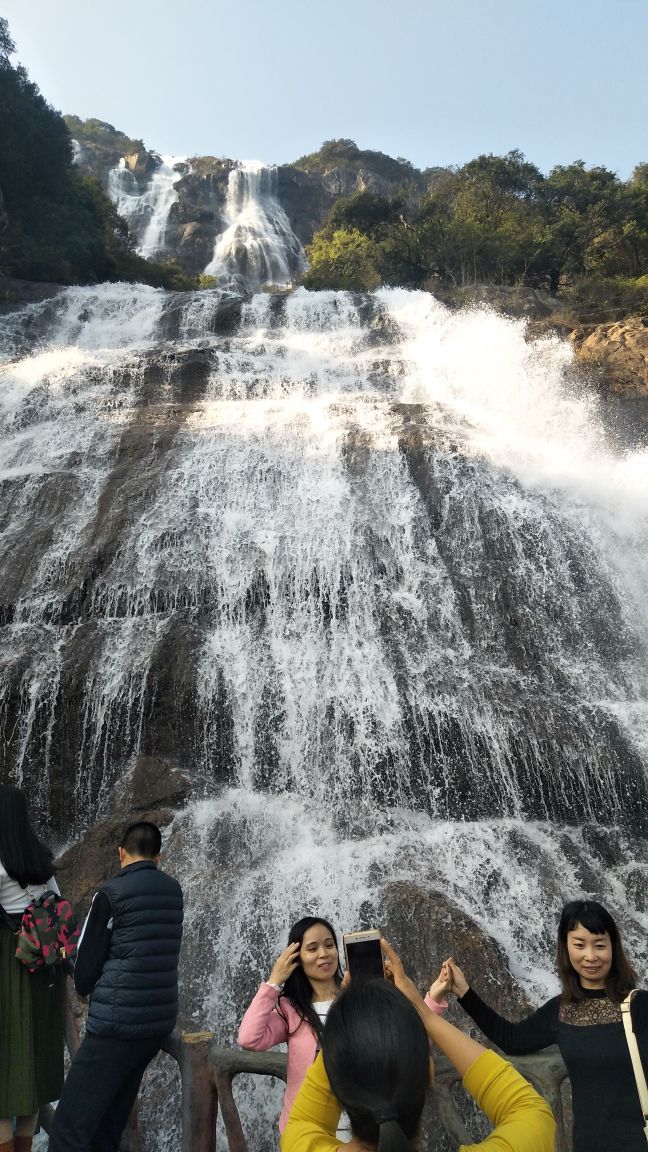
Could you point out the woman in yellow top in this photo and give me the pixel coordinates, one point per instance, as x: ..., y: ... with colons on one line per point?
x: 375, y: 1063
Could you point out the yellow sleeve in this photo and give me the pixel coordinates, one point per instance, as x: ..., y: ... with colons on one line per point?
x: 523, y: 1121
x: 314, y: 1116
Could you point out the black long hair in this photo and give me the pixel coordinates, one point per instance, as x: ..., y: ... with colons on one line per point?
x: 591, y: 915
x: 298, y: 988
x: 377, y: 1058
x: 25, y: 858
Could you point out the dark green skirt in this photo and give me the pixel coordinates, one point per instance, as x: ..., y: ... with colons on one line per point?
x: 31, y: 1034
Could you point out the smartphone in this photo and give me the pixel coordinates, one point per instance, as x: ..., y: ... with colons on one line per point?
x: 363, y: 954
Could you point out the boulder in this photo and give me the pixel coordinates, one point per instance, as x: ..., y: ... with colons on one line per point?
x: 158, y: 782
x: 93, y: 859
x: 142, y: 164
x: 620, y: 349
x: 429, y: 928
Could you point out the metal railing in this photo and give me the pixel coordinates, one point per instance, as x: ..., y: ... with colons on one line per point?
x: 207, y: 1073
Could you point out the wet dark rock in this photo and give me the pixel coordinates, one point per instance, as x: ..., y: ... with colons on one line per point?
x: 14, y: 293
x: 94, y: 859
x: 428, y: 928
x: 158, y: 783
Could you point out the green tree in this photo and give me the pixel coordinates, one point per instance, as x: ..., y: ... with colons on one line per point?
x: 365, y: 212
x: 60, y: 224
x: 343, y: 259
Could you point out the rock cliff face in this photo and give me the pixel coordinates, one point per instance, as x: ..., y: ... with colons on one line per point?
x: 197, y: 218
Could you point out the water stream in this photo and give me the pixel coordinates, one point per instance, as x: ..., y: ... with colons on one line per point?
x: 374, y: 573
x: 258, y: 247
x: 147, y: 209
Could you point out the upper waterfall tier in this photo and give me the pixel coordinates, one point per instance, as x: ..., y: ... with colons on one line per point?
x: 258, y: 247
x: 359, y: 549
x: 146, y: 209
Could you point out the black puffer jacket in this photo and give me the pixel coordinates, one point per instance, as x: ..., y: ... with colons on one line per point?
x: 136, y: 995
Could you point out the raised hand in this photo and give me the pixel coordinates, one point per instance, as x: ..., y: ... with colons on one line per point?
x: 442, y: 985
x: 285, y: 964
x: 458, y: 983
x: 395, y: 972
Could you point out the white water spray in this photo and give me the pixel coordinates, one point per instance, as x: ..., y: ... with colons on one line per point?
x: 259, y: 246
x: 146, y: 211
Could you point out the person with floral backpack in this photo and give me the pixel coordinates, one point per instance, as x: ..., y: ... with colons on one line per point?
x: 31, y: 1003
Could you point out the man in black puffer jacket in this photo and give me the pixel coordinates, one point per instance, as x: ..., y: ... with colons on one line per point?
x: 128, y: 963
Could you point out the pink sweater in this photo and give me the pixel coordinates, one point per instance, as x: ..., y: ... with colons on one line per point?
x: 262, y: 1027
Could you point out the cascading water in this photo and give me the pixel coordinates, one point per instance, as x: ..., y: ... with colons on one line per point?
x: 146, y: 210
x: 370, y: 570
x: 258, y: 246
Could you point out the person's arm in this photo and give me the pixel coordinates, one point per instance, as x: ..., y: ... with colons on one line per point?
x: 313, y: 1120
x: 262, y: 1026
x: 436, y: 995
x: 515, y: 1038
x: 461, y: 1050
x: 523, y: 1121
x: 94, y: 944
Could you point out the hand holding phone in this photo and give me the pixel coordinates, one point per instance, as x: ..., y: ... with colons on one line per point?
x: 363, y: 954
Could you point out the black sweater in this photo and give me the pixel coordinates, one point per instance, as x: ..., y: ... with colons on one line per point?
x: 592, y: 1042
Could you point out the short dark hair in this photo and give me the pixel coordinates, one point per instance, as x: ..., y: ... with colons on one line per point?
x: 377, y: 1058
x: 591, y: 915
x: 142, y: 839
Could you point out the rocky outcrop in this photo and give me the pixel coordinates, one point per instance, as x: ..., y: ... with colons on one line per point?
x: 427, y: 927
x: 306, y: 193
x: 196, y: 219
x: 98, y: 159
x: 620, y: 350
x: 14, y: 292
x: 153, y: 790
x: 94, y: 859
x: 142, y: 164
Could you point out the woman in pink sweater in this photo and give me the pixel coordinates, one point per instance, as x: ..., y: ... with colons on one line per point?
x: 292, y: 1004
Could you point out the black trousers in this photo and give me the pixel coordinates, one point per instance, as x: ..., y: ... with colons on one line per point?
x: 99, y: 1092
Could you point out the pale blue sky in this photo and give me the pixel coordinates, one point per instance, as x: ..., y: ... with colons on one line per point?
x: 436, y: 81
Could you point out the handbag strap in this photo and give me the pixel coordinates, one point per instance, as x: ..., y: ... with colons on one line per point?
x: 637, y: 1066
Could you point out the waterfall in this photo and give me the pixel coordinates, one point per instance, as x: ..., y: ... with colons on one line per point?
x: 258, y: 246
x: 146, y: 211
x: 374, y: 573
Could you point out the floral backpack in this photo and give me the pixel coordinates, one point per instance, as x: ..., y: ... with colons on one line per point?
x: 48, y: 933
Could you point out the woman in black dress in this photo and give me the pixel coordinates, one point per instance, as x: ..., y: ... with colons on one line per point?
x: 585, y: 1022
x: 31, y: 1008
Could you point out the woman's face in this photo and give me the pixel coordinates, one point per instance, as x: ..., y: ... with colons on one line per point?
x: 590, y: 955
x: 318, y: 953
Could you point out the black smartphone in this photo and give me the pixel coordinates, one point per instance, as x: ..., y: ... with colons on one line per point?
x: 363, y: 954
